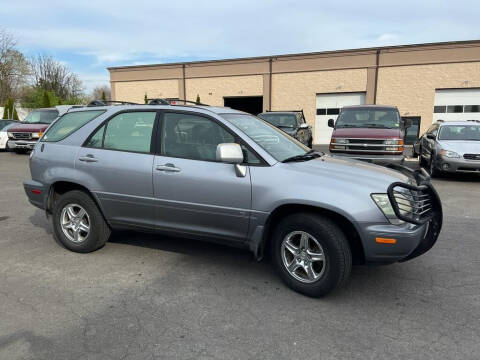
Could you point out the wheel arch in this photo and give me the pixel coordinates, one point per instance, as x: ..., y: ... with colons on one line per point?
x: 61, y: 187
x: 346, y: 225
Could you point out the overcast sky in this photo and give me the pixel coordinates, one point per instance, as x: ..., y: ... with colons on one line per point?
x: 90, y: 36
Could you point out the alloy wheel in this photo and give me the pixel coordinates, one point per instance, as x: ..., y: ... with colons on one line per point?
x: 75, y: 223
x: 303, y: 256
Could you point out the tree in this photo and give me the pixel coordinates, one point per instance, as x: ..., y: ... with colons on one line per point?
x: 52, y: 76
x: 198, y: 99
x: 145, y: 98
x: 101, y: 92
x: 9, y: 111
x: 46, y: 100
x: 14, y: 68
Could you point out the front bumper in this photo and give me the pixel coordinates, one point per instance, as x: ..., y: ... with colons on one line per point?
x: 21, y: 144
x: 414, y: 237
x: 453, y: 165
x: 377, y: 159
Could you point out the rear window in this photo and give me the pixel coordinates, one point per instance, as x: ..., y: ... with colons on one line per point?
x: 69, y: 123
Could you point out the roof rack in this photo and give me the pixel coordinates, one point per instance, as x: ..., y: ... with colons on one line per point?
x: 173, y: 101
x: 439, y: 120
x: 109, y: 102
x: 300, y: 111
x: 474, y: 120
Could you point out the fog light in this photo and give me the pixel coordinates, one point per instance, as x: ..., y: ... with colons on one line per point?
x: 445, y: 166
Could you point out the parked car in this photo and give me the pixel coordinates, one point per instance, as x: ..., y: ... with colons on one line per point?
x: 24, y: 136
x: 452, y: 146
x: 373, y: 133
x: 222, y: 175
x: 4, y: 126
x: 291, y: 122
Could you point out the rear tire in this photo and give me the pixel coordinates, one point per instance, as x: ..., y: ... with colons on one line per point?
x: 78, y: 224
x: 303, y: 270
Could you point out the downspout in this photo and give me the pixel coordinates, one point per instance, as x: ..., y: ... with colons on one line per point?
x: 270, y: 84
x: 377, y: 60
x: 184, y: 83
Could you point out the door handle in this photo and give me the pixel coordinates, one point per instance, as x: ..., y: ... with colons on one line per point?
x: 167, y: 168
x: 88, y: 158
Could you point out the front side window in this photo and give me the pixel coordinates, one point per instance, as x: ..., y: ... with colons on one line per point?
x: 41, y: 117
x: 369, y: 118
x: 285, y: 121
x: 69, y: 123
x: 460, y: 132
x: 130, y: 131
x: 192, y: 137
x: 274, y: 141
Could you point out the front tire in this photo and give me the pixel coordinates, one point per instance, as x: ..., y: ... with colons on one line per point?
x: 78, y: 223
x: 311, y: 254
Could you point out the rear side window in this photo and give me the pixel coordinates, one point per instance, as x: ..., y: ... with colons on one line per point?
x: 69, y: 123
x: 130, y: 131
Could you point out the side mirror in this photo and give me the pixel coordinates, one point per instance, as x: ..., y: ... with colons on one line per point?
x: 303, y: 126
x: 430, y: 136
x: 407, y: 123
x: 229, y: 153
x: 331, y: 123
x: 232, y: 153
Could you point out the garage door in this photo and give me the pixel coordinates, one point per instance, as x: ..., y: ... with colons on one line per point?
x: 457, y: 105
x: 328, y: 107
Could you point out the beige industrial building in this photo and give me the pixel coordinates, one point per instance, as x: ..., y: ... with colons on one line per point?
x: 426, y: 82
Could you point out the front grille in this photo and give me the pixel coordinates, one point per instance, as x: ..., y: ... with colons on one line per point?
x: 366, y: 141
x: 22, y: 135
x: 472, y: 156
x: 368, y: 145
x: 411, y: 203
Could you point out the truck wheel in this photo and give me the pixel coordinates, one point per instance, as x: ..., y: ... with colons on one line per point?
x: 311, y: 254
x: 78, y: 223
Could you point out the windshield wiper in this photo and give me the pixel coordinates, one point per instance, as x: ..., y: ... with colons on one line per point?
x: 285, y: 126
x: 312, y: 154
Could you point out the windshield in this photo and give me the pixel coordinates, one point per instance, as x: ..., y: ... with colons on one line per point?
x: 274, y: 141
x: 460, y: 132
x: 369, y: 118
x: 41, y: 117
x: 4, y: 123
x: 8, y: 126
x: 280, y: 120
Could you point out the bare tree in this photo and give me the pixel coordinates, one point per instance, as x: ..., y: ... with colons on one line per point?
x: 99, y: 91
x: 51, y: 75
x: 14, y: 68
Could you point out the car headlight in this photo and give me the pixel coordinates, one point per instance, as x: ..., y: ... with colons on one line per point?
x: 10, y: 135
x: 339, y: 141
x: 37, y: 135
x: 449, y: 154
x: 384, y: 204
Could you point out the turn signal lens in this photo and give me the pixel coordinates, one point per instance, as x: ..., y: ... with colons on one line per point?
x: 385, y: 240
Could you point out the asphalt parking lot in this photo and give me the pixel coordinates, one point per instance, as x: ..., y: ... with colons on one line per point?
x: 150, y: 297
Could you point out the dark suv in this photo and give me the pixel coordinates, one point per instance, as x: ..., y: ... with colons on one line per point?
x: 291, y: 122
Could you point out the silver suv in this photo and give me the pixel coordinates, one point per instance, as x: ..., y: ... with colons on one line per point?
x: 222, y: 175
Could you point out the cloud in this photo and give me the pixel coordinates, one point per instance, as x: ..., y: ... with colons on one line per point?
x: 95, y: 35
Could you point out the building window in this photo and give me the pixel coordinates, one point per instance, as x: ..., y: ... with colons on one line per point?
x: 455, y: 109
x: 321, y: 111
x: 439, y: 109
x: 472, y: 108
x: 333, y: 111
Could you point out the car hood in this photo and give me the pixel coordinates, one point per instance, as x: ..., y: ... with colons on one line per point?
x: 367, y: 133
x: 461, y: 147
x: 348, y: 173
x: 28, y: 128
